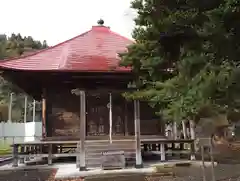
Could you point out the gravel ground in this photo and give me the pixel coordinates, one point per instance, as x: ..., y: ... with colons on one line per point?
x: 223, y: 172
x: 28, y: 175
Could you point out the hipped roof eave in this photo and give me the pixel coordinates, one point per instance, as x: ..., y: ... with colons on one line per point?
x: 127, y: 70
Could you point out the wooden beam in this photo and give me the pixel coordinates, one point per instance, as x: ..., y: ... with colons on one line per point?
x: 44, y: 113
x: 139, y: 163
x: 58, y: 80
x: 82, y: 130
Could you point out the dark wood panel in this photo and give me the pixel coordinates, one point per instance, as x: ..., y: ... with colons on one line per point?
x: 119, y: 118
x: 64, y: 113
x: 129, y: 112
x: 97, y: 114
x: 151, y: 124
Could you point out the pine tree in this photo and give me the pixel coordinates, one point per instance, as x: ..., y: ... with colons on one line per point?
x: 186, y: 55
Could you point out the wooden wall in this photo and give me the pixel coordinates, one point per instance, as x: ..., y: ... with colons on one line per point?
x: 63, y: 115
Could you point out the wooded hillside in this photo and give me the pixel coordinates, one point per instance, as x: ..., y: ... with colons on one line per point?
x: 10, y: 47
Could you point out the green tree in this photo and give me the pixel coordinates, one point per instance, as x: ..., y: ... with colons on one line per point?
x: 186, y: 56
x: 16, y: 45
x: 10, y: 47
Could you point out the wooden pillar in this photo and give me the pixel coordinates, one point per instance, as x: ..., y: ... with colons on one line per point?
x: 21, y: 160
x: 78, y: 155
x: 44, y: 114
x: 139, y: 163
x: 110, y: 117
x: 193, y: 151
x: 82, y: 130
x: 15, y: 155
x: 50, y: 151
x: 27, y: 158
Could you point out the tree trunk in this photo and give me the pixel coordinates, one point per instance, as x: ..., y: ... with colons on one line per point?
x: 175, y: 131
x: 184, y: 129
x: 192, y: 129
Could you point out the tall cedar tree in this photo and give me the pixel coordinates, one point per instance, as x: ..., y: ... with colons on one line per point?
x: 186, y: 56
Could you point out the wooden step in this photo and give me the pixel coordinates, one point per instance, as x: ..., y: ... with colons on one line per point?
x: 94, y: 162
x: 94, y: 151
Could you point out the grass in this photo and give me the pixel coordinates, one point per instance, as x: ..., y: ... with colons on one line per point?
x: 5, y: 149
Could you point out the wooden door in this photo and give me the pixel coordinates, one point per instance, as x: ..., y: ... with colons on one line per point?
x: 97, y: 114
x: 118, y: 114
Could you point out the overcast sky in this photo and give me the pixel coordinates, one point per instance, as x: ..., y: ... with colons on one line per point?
x: 59, y: 20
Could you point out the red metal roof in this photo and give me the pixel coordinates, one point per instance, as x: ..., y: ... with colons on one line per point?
x: 95, y: 50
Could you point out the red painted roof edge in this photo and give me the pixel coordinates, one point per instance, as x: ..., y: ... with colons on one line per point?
x: 125, y: 71
x: 49, y: 48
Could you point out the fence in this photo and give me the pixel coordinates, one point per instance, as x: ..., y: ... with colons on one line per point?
x: 27, y: 130
x: 20, y: 119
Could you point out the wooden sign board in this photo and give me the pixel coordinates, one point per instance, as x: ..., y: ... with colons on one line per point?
x: 113, y: 160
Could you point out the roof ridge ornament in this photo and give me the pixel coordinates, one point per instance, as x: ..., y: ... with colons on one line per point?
x: 100, y: 22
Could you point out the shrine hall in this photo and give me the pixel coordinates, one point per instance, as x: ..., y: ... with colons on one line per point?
x: 84, y: 112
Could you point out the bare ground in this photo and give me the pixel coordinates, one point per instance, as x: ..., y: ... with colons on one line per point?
x: 28, y: 175
x: 228, y: 169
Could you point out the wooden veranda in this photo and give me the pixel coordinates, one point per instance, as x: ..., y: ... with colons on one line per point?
x: 94, y: 149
